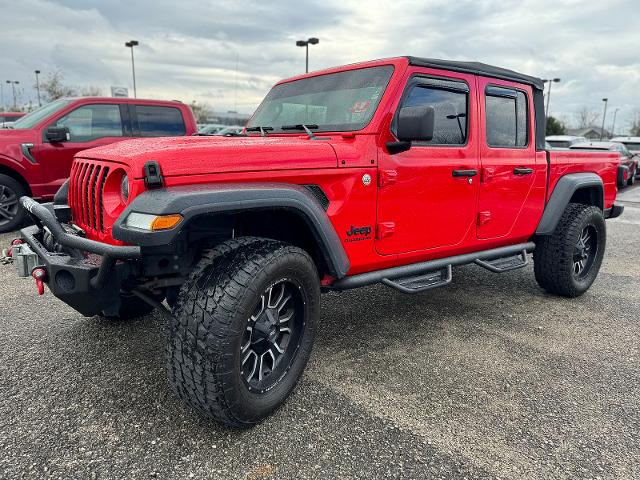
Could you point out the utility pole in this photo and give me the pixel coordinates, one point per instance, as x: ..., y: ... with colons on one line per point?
x: 604, y: 115
x: 38, y: 88
x: 130, y: 44
x: 550, y: 81
x: 13, y: 88
x: 306, y: 43
x: 613, y: 126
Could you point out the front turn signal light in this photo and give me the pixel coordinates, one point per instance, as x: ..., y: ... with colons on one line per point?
x: 165, y: 222
x: 153, y: 223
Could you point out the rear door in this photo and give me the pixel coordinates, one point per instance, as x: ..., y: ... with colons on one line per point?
x: 157, y: 121
x: 508, y: 158
x: 427, y: 194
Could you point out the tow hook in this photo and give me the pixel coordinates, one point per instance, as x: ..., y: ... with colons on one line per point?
x: 39, y: 274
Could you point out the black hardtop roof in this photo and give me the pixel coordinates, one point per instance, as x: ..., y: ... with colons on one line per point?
x: 478, y: 68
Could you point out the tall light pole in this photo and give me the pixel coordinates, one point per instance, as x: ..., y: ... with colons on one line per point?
x: 130, y: 44
x: 613, y: 125
x: 13, y: 87
x: 306, y: 43
x: 604, y: 115
x: 549, y: 81
x: 38, y: 87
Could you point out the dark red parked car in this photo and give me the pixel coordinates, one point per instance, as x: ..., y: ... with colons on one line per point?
x: 37, y: 151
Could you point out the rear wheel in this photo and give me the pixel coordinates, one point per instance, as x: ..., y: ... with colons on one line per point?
x: 632, y: 177
x: 243, y: 329
x: 11, y: 213
x: 568, y: 261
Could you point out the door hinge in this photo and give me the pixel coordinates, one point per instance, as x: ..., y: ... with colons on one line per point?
x: 387, y: 177
x: 484, y: 218
x: 385, y: 229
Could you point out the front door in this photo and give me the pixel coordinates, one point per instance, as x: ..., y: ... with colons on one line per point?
x: 89, y: 126
x: 427, y: 194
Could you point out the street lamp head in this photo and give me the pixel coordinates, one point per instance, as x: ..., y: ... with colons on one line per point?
x: 313, y: 41
x: 301, y: 43
x: 132, y: 43
x: 605, y: 99
x: 556, y: 80
x: 37, y: 72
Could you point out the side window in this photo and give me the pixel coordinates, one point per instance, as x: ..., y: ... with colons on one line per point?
x: 154, y: 121
x: 506, y: 118
x: 449, y: 101
x: 91, y: 122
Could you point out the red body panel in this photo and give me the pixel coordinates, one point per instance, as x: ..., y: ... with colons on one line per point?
x: 53, y: 161
x: 415, y: 208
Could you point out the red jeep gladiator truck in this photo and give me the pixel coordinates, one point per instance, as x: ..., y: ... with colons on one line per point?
x: 392, y: 171
x: 36, y: 152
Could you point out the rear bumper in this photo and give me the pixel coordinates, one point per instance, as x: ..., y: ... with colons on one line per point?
x: 615, y: 211
x: 85, y: 274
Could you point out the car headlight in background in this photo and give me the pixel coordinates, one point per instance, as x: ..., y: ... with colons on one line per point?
x: 124, y: 188
x: 152, y: 223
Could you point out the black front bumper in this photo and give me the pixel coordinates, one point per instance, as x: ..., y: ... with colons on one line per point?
x: 85, y: 274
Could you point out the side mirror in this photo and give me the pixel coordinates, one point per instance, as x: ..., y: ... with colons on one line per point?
x: 58, y: 134
x: 414, y: 124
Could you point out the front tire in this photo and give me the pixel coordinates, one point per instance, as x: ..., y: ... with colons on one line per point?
x: 567, y: 262
x: 11, y: 213
x: 243, y: 329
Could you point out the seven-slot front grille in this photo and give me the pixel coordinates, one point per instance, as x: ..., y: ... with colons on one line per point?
x: 86, y: 185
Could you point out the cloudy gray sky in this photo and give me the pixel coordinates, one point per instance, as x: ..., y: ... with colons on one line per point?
x: 189, y: 49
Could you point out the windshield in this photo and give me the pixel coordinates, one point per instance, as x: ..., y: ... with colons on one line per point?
x: 343, y: 101
x: 30, y: 120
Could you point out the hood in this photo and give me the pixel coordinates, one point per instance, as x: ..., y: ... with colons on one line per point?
x: 179, y: 156
x: 10, y: 141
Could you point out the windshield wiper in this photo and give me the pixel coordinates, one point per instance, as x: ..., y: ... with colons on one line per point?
x: 263, y: 130
x: 301, y: 126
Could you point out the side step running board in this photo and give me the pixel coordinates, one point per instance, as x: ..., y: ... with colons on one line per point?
x: 505, y: 264
x: 420, y: 283
x: 409, y: 276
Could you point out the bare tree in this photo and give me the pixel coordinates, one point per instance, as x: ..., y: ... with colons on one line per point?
x: 53, y: 87
x: 634, y: 124
x: 585, y: 117
x: 201, y: 110
x: 91, y: 91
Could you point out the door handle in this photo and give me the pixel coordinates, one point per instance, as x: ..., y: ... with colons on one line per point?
x: 522, y: 171
x: 464, y: 173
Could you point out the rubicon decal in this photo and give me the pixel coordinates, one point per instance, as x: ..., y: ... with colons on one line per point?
x: 357, y: 234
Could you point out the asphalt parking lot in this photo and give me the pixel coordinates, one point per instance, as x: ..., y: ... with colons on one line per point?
x: 488, y: 378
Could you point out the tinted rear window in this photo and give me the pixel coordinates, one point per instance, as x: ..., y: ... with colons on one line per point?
x: 155, y: 121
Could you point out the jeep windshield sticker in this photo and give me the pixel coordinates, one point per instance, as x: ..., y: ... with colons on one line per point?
x: 357, y: 234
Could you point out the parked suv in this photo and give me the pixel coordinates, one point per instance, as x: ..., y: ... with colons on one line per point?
x: 37, y: 151
x: 393, y: 171
x: 628, y: 160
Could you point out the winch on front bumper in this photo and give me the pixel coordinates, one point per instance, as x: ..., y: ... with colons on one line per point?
x: 85, y: 274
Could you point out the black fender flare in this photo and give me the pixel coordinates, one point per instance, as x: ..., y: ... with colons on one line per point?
x: 197, y: 200
x: 561, y: 196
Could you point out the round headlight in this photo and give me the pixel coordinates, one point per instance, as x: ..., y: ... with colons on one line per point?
x: 124, y: 188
